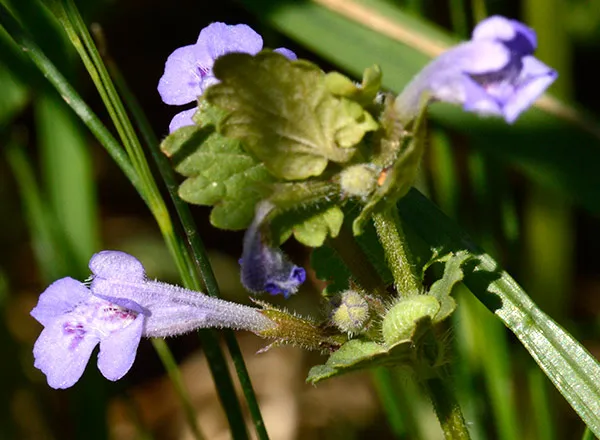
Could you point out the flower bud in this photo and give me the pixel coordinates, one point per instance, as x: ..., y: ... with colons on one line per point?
x: 401, y: 319
x: 358, y: 180
x: 352, y: 314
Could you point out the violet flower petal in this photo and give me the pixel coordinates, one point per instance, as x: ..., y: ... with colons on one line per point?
x: 60, y: 297
x: 188, y: 70
x: 494, y: 73
x: 62, y: 351
x: 535, y: 78
x: 182, y: 81
x: 286, y: 53
x: 117, y: 353
x: 117, y: 265
x: 219, y: 38
x: 182, y: 119
x: 521, y: 38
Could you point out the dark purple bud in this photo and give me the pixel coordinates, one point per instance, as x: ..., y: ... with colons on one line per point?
x: 265, y: 268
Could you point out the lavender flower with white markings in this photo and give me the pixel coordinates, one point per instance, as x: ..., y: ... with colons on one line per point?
x: 265, y: 268
x: 119, y: 307
x: 188, y: 70
x: 495, y: 73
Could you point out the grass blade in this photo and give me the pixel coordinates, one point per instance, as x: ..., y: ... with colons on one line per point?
x: 570, y: 367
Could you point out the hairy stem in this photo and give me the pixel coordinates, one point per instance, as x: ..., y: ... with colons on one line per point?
x: 398, y: 255
x: 447, y: 408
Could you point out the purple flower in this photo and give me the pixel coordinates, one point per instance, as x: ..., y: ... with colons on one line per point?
x: 119, y: 307
x: 188, y: 71
x: 264, y: 268
x: 495, y: 73
x: 74, y: 322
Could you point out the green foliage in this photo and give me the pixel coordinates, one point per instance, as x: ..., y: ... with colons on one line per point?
x: 563, y: 359
x: 295, y: 138
x: 364, y: 94
x: 359, y: 354
x: 314, y: 230
x: 306, y: 209
x: 398, y: 176
x: 442, y: 288
x: 219, y: 171
x: 401, y: 320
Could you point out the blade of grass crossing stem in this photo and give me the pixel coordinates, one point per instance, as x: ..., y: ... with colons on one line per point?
x: 570, y: 367
x: 68, y: 177
x: 194, y: 240
x: 117, y: 153
x: 180, y: 253
x: 68, y: 14
x: 68, y: 93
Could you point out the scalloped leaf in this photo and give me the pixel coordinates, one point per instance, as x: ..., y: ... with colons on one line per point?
x: 220, y: 173
x: 307, y: 210
x: 364, y: 93
x: 295, y: 138
x: 359, y: 354
x: 442, y: 288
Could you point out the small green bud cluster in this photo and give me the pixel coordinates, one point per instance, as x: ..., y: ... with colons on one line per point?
x: 359, y: 180
x: 352, y: 315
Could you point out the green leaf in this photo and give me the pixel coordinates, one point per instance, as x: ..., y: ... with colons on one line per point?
x: 314, y: 230
x: 219, y: 172
x: 364, y: 94
x: 307, y: 210
x: 359, y: 354
x: 295, y: 138
x: 442, y: 288
x: 570, y: 367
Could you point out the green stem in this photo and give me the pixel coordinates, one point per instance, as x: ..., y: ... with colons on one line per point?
x: 398, y: 255
x: 447, y: 408
x: 166, y: 357
x: 201, y: 261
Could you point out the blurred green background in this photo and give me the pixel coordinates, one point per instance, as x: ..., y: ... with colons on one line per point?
x: 528, y: 193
